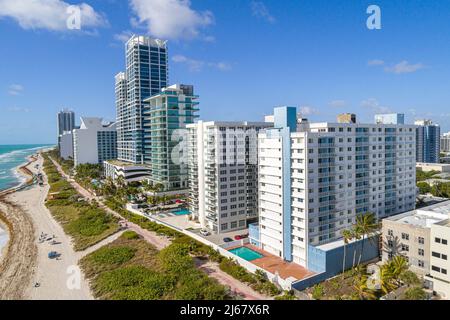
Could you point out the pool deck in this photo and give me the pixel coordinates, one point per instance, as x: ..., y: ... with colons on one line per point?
x: 274, y: 264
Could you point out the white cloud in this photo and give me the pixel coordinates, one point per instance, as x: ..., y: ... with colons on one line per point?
x: 19, y: 109
x: 375, y: 62
x: 124, y: 36
x: 48, y: 14
x: 15, y: 89
x: 308, y: 110
x: 375, y: 106
x: 337, y: 103
x: 260, y: 10
x: 197, y: 65
x: 404, y: 67
x: 171, y: 19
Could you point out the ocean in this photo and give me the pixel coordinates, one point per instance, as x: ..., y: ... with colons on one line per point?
x: 11, y: 157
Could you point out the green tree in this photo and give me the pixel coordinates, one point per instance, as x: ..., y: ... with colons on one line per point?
x: 362, y: 289
x: 348, y: 236
x: 415, y: 293
x: 366, y: 225
x: 424, y: 187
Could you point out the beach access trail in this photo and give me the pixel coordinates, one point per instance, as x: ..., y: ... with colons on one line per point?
x: 212, y: 269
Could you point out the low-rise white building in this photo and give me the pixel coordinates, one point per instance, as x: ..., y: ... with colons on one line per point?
x: 439, y: 259
x: 94, y: 142
x: 66, y: 145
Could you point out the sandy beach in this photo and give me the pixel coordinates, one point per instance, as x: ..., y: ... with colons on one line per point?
x: 30, y: 264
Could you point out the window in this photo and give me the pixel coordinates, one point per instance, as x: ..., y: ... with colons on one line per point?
x: 421, y: 240
x: 437, y: 240
x: 405, y: 247
x: 444, y: 241
x: 421, y: 252
x: 434, y: 268
x: 421, y: 264
x: 435, y: 254
x: 405, y: 236
x: 390, y: 233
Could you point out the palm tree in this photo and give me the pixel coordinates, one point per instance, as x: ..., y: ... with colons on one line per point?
x: 348, y: 236
x: 386, y: 279
x: 399, y: 265
x: 357, y: 236
x: 362, y: 289
x: 366, y: 225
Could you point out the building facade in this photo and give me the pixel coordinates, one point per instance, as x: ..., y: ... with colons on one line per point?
x: 315, y: 178
x: 445, y: 142
x: 94, y: 142
x: 66, y: 145
x: 428, y: 137
x: 223, y: 173
x: 422, y: 237
x: 439, y: 259
x: 65, y: 121
x: 165, y: 119
x: 146, y: 74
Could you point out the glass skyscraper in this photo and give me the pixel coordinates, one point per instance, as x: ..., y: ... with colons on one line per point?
x: 428, y: 137
x: 146, y: 74
x: 65, y: 121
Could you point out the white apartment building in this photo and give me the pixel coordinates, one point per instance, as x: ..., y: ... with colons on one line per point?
x: 315, y: 178
x: 66, y: 145
x: 94, y: 142
x: 222, y: 162
x: 439, y: 260
x: 421, y: 236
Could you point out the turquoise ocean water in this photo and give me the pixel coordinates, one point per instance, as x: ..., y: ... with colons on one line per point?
x: 12, y: 156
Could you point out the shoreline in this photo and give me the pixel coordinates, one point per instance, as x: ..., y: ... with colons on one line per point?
x: 5, y: 226
x: 28, y: 261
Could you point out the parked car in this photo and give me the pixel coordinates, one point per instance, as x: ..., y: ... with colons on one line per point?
x: 241, y: 237
x: 205, y: 233
x: 226, y: 240
x: 53, y: 255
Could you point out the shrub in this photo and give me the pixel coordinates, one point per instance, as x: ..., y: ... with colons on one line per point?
x: 318, y: 292
x: 415, y: 293
x: 91, y: 223
x: 133, y: 283
x: 130, y: 235
x: 113, y: 255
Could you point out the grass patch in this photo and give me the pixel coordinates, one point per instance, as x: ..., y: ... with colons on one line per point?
x: 132, y: 269
x: 86, y: 223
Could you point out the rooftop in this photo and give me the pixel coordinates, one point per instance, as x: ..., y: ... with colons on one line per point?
x: 424, y: 217
x: 445, y: 223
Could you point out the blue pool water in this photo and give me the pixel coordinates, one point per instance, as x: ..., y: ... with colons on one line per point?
x: 181, y: 212
x: 11, y: 157
x: 246, y: 253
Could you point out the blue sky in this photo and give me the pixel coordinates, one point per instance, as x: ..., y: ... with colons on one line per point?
x: 243, y: 57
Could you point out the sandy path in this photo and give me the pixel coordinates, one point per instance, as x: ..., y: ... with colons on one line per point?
x: 211, y: 269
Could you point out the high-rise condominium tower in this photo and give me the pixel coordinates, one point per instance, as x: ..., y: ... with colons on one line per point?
x: 146, y: 74
x: 223, y: 173
x: 428, y: 136
x: 165, y: 118
x: 65, y: 121
x: 316, y: 178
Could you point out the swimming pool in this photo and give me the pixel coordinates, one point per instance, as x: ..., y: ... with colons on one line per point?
x: 181, y: 212
x: 246, y: 253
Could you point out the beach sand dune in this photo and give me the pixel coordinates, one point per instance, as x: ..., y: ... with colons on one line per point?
x: 27, y: 262
x: 20, y: 257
